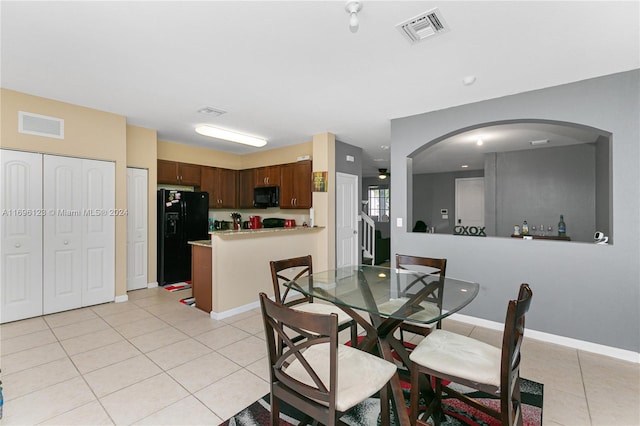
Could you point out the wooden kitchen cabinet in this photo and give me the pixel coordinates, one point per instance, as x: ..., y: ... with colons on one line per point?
x: 267, y: 176
x: 222, y: 186
x: 295, y: 188
x: 175, y: 173
x: 246, y: 183
x: 201, y: 277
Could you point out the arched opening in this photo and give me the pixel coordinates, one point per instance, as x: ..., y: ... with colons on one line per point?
x: 533, y: 170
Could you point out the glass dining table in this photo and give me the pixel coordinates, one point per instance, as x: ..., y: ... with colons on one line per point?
x: 388, y: 296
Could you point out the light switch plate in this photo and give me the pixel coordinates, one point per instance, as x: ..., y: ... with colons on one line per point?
x: 399, y: 222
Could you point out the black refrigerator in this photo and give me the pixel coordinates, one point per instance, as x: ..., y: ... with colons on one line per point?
x: 182, y: 217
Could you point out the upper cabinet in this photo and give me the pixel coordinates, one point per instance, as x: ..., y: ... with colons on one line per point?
x: 295, y: 188
x: 172, y: 172
x: 246, y: 183
x: 267, y: 176
x: 222, y: 186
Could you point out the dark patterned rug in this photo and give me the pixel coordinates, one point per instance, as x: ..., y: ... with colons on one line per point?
x: 367, y: 413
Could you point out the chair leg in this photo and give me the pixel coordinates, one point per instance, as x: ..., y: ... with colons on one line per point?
x: 385, y: 412
x: 354, y: 335
x: 275, y: 410
x: 415, y: 395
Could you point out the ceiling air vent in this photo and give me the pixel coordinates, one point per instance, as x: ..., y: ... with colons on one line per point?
x: 422, y: 26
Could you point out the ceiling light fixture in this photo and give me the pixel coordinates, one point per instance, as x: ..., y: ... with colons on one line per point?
x: 352, y: 8
x: 480, y: 142
x: 382, y: 173
x: 540, y: 142
x: 465, y: 166
x: 228, y: 135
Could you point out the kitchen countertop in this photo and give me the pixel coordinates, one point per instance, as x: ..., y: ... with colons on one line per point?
x: 246, y: 232
x: 202, y: 243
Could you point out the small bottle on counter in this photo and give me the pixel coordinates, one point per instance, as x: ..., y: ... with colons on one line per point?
x: 562, y: 227
x: 525, y: 228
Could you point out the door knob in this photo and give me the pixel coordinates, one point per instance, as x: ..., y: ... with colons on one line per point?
x: 18, y: 245
x: 66, y: 242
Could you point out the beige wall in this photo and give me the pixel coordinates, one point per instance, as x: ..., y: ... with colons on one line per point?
x: 324, y: 203
x: 196, y: 155
x: 240, y: 264
x: 88, y: 133
x: 142, y: 153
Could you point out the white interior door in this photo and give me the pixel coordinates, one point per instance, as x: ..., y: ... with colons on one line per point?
x: 347, y: 205
x: 62, y: 281
x: 21, y: 241
x: 137, y: 190
x: 98, y: 231
x: 470, y: 202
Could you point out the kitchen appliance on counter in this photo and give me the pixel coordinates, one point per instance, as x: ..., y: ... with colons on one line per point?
x: 255, y: 222
x: 268, y: 196
x: 273, y: 222
x: 289, y: 223
x: 182, y: 217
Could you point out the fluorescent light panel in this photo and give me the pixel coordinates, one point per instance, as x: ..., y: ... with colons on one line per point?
x: 228, y: 135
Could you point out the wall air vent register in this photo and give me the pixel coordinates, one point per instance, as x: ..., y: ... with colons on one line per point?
x: 40, y: 125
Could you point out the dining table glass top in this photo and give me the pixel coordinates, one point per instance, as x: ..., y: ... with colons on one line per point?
x: 413, y: 295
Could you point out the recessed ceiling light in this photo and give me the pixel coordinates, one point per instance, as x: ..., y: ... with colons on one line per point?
x: 465, y: 166
x: 384, y: 147
x: 480, y: 142
x: 469, y: 80
x: 540, y: 142
x: 228, y: 135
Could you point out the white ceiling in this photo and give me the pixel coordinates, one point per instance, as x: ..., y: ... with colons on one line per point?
x: 288, y: 70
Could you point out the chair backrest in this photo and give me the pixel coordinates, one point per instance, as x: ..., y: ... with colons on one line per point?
x: 428, y: 265
x: 279, y: 322
x: 289, y: 270
x: 403, y: 260
x: 511, y: 343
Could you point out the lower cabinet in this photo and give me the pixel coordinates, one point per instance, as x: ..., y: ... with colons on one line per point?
x: 63, y: 242
x: 201, y: 276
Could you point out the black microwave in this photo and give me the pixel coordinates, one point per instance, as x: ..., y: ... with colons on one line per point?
x: 268, y: 196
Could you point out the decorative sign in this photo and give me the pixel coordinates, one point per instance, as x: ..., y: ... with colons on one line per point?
x: 475, y: 231
x: 319, y: 181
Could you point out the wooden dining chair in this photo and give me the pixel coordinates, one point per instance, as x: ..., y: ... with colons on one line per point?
x: 432, y: 303
x: 318, y: 376
x: 294, y: 268
x: 463, y: 360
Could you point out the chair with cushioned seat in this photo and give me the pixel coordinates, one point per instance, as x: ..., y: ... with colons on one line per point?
x: 290, y: 270
x: 444, y: 355
x: 319, y: 376
x: 431, y: 305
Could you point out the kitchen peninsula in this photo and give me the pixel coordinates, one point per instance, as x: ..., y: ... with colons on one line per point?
x: 239, y: 265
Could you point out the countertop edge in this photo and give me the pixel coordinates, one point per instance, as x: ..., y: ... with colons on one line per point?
x: 262, y: 231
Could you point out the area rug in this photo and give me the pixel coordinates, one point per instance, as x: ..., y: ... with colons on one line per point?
x: 177, y: 286
x: 367, y: 413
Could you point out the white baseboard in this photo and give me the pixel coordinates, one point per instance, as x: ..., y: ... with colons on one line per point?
x: 120, y: 299
x: 235, y: 311
x: 582, y: 345
x: 152, y: 285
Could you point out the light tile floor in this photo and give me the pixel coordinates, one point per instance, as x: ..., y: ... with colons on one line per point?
x: 154, y: 361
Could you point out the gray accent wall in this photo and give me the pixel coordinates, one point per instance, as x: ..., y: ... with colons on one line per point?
x: 581, y: 291
x: 433, y: 192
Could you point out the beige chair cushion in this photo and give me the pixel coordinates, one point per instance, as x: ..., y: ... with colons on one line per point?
x: 459, y: 356
x: 321, y: 308
x: 430, y: 310
x: 360, y: 374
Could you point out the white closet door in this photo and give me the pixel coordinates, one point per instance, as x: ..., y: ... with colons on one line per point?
x: 137, y: 190
x: 62, y: 233
x: 21, y: 235
x: 98, y: 232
